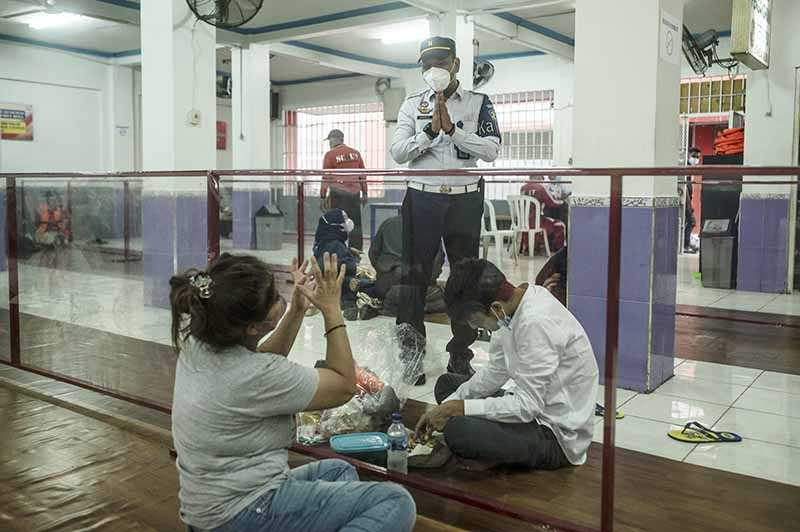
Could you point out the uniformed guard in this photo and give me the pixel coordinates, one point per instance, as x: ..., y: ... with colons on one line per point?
x: 443, y: 127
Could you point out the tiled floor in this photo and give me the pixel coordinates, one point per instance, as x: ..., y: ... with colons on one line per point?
x: 763, y: 407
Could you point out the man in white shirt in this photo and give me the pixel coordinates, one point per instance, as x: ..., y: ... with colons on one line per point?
x: 545, y: 416
x: 441, y: 128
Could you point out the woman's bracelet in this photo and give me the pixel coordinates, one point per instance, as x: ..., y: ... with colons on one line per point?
x: 340, y: 326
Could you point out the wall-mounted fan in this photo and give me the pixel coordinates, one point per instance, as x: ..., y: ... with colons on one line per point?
x: 225, y: 13
x: 701, y: 51
x: 482, y: 72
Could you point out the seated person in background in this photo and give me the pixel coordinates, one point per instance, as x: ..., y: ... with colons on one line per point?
x: 385, y: 254
x: 331, y: 237
x: 51, y: 223
x: 553, y: 219
x: 546, y: 419
x: 234, y: 405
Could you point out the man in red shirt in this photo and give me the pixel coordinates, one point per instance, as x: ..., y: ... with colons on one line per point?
x: 345, y: 190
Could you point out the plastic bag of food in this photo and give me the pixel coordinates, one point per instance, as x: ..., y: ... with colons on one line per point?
x: 389, y: 360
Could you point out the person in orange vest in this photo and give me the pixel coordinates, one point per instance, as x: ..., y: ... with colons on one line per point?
x: 50, y: 222
x: 345, y: 190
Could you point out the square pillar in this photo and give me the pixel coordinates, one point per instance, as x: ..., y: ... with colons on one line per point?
x: 179, y: 133
x: 250, y: 134
x: 766, y: 221
x: 648, y: 136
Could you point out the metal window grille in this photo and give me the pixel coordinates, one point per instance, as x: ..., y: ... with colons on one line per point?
x: 306, y: 128
x: 526, y: 124
x: 713, y: 95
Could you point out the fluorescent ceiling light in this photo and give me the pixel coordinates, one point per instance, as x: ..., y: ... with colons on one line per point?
x: 42, y: 20
x: 413, y: 30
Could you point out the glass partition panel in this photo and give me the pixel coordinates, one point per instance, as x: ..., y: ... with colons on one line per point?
x: 95, y: 261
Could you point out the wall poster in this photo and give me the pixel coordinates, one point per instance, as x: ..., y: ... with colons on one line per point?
x: 16, y: 121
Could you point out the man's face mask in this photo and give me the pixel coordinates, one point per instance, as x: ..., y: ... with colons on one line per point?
x: 438, y: 79
x: 694, y: 161
x: 347, y: 226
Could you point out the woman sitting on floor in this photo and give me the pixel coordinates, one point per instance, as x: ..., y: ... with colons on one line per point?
x: 546, y: 418
x: 233, y: 406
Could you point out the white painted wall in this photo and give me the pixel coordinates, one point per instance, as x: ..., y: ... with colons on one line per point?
x: 74, y: 100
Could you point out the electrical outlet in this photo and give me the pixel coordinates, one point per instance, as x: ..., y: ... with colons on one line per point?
x: 195, y: 118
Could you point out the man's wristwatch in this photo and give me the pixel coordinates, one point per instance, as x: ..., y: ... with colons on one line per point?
x: 428, y: 129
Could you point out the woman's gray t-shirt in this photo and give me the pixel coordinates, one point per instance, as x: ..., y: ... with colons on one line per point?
x: 232, y: 422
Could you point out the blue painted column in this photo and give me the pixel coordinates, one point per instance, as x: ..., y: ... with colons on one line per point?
x: 648, y: 266
x: 245, y: 204
x: 175, y: 239
x: 763, y: 242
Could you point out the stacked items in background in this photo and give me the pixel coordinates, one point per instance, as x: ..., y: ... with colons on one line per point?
x: 729, y: 141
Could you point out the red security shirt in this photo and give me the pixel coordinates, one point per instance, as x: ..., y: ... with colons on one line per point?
x: 343, y: 156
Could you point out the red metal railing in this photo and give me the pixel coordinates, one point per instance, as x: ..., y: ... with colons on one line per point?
x: 717, y: 175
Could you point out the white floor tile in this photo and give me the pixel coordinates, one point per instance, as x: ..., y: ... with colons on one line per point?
x: 674, y: 409
x: 703, y: 390
x: 782, y: 382
x: 781, y: 403
x: 746, y: 301
x: 784, y: 304
x: 779, y: 463
x: 717, y: 372
x: 761, y: 426
x: 646, y: 436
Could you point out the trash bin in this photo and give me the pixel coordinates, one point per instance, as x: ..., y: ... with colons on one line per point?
x: 718, y: 246
x: 269, y: 228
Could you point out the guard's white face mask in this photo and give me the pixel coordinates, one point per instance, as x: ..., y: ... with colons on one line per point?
x: 349, y: 225
x: 438, y: 79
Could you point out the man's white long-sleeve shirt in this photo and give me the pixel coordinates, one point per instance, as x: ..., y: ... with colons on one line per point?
x: 547, y: 356
x: 477, y: 135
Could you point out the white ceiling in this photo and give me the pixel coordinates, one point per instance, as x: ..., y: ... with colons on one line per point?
x: 109, y: 38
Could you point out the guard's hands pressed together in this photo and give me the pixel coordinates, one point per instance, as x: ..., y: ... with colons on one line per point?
x: 436, y: 122
x: 326, y: 291
x: 446, y: 123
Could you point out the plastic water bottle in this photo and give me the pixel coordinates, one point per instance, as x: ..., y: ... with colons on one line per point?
x: 397, y: 456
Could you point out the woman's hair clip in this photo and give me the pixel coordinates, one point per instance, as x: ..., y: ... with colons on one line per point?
x: 202, y: 282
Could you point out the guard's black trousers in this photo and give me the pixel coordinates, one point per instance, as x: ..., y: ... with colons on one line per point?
x: 429, y: 218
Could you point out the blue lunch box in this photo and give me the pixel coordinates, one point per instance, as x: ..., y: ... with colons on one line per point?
x: 368, y: 447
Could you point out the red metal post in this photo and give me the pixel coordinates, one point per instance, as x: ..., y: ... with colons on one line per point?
x: 612, y: 342
x: 301, y: 222
x: 126, y: 221
x: 15, y: 348
x: 212, y: 216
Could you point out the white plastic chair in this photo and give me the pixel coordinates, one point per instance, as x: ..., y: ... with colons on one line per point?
x: 490, y: 231
x: 521, y: 208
